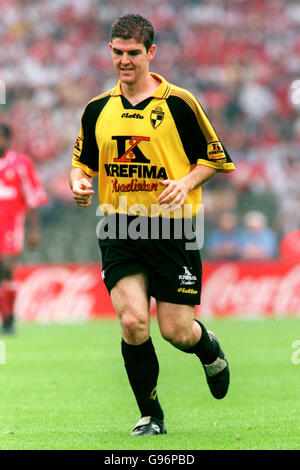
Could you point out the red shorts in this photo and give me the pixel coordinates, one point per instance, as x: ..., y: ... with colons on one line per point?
x: 12, y: 231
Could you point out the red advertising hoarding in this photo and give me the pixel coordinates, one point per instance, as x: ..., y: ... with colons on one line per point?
x: 245, y: 288
x: 65, y: 293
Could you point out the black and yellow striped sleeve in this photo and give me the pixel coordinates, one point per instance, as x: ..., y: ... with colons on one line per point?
x: 86, y: 152
x: 199, y: 139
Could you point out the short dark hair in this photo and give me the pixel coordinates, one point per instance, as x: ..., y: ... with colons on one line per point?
x: 133, y: 27
x: 6, y: 130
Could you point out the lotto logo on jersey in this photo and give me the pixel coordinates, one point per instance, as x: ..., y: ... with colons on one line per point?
x: 132, y: 116
x: 128, y: 149
x: 215, y: 151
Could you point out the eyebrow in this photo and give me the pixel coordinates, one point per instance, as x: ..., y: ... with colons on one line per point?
x: 132, y: 51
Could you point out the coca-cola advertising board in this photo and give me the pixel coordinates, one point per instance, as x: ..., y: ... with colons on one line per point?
x: 251, y: 289
x: 66, y: 293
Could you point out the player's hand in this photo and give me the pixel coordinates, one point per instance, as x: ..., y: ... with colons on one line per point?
x: 174, y: 195
x: 82, y: 192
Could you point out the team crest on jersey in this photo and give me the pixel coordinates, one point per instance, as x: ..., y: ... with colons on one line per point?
x: 157, y: 116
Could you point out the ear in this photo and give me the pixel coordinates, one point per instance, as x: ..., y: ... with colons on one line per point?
x: 110, y: 46
x: 151, y: 52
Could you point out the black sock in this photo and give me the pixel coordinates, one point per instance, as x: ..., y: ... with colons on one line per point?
x: 206, y: 349
x: 142, y: 369
x: 8, y: 322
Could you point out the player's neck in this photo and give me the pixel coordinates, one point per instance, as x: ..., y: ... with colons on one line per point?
x: 139, y: 91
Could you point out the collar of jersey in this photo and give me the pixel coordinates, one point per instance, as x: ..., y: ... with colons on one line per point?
x: 162, y: 91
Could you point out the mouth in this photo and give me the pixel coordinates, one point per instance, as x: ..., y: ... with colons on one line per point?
x: 122, y: 69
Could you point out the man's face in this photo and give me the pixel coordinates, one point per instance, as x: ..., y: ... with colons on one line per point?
x: 4, y: 142
x: 130, y: 59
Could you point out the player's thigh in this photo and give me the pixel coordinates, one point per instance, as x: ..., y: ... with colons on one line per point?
x: 132, y: 304
x: 12, y: 236
x: 176, y: 322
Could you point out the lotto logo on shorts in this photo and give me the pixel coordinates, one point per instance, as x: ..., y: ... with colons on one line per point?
x: 183, y: 290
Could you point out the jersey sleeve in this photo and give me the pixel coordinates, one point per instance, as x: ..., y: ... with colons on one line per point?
x: 86, y: 153
x: 33, y: 191
x: 199, y: 139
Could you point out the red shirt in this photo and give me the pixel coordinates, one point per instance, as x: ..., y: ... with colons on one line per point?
x: 290, y: 246
x: 20, y: 186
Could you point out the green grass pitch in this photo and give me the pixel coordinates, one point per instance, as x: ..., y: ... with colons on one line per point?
x: 64, y: 387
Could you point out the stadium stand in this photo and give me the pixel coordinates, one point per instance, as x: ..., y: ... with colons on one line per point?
x: 239, y: 58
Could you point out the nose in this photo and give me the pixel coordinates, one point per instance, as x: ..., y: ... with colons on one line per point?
x: 125, y: 58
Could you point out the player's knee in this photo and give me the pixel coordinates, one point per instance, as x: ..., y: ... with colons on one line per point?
x: 177, y: 337
x: 132, y: 323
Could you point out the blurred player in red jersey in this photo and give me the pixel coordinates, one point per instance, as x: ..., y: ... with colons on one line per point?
x: 289, y: 247
x: 21, y: 192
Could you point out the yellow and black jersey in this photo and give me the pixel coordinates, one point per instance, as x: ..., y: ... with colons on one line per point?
x: 131, y: 148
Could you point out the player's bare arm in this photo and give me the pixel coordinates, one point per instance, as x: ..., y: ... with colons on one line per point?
x: 82, y: 187
x: 177, y: 190
x: 34, y: 233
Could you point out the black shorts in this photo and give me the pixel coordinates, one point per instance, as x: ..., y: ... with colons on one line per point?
x: 174, y: 273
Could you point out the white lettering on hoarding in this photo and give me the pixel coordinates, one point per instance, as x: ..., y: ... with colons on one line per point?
x: 52, y: 294
x: 228, y: 292
x: 64, y: 294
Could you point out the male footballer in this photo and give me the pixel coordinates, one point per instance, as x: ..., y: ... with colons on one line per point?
x: 151, y: 145
x: 21, y: 193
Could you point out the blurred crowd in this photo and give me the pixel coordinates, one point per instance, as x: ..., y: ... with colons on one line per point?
x: 241, y: 59
x: 253, y: 241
